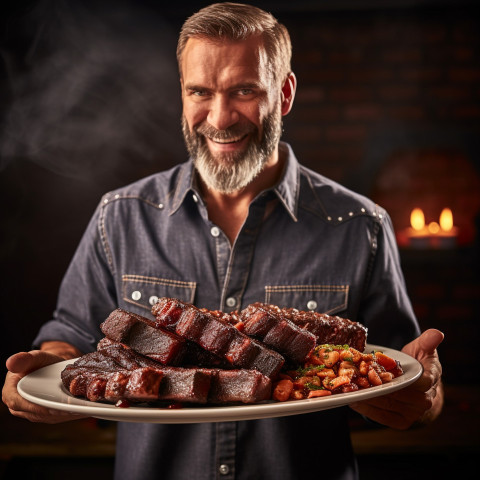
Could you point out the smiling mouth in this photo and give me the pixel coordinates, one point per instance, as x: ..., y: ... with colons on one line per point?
x: 227, y: 141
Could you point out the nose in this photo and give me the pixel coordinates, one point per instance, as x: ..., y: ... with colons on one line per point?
x: 222, y: 113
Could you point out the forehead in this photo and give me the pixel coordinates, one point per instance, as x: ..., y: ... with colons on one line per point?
x: 208, y: 60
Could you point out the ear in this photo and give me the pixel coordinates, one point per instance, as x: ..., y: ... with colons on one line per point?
x: 288, y: 93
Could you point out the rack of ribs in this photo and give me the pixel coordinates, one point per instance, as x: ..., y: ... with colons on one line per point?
x: 115, y: 372
x: 217, y: 336
x: 97, y: 377
x: 326, y: 328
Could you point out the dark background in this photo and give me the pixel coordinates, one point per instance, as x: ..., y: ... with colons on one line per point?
x: 388, y: 104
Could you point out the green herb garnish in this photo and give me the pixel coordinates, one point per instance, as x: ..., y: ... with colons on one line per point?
x: 313, y: 386
x: 301, y: 371
x: 330, y: 347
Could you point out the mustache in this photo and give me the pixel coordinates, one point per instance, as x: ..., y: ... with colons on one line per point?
x: 231, y: 133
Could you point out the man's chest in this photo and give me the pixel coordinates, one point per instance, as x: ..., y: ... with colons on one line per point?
x: 281, y: 262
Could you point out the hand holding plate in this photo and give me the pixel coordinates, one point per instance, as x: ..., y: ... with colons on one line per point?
x: 19, y: 365
x: 420, y: 402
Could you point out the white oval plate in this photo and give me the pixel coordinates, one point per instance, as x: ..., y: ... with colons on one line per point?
x: 44, y: 387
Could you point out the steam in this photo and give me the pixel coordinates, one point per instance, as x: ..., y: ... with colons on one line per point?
x: 100, y: 90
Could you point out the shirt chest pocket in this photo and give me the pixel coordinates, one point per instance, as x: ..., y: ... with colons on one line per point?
x: 330, y: 299
x: 144, y: 291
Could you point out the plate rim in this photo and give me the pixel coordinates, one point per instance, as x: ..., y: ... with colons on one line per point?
x: 27, y: 386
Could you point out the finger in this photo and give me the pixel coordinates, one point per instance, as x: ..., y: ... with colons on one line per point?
x: 431, y: 376
x: 24, y: 362
x: 38, y: 414
x: 431, y: 339
x: 12, y: 399
x: 384, y: 417
x: 432, y: 372
x: 426, y: 343
x: 22, y: 408
x: 412, y: 403
x: 407, y: 396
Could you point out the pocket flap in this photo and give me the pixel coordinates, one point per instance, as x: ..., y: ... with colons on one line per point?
x: 329, y: 299
x: 144, y: 291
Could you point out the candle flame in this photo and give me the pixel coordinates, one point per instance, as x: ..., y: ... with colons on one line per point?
x: 417, y: 219
x: 446, y: 220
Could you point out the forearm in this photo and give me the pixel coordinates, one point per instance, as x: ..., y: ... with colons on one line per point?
x: 62, y: 349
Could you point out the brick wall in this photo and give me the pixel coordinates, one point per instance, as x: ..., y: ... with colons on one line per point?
x: 444, y: 287
x: 374, y: 83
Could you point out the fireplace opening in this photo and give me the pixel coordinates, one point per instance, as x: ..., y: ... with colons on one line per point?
x: 441, y: 184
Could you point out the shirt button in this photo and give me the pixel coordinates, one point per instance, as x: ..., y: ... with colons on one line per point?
x: 231, y: 302
x: 312, y: 305
x: 153, y: 300
x: 195, y: 198
x: 223, y: 469
x: 215, y: 231
x: 136, y: 295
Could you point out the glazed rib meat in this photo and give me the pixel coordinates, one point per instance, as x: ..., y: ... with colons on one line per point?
x: 99, y: 383
x: 148, y: 338
x: 144, y: 336
x: 239, y: 386
x: 115, y: 372
x: 327, y: 328
x: 178, y: 384
x: 217, y: 336
x: 278, y: 332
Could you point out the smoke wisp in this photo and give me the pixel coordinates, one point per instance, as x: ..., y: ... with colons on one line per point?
x: 97, y: 89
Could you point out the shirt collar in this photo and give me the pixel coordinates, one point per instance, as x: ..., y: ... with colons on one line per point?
x: 287, y: 189
x: 184, y: 184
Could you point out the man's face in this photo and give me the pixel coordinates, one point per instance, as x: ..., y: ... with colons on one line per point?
x: 231, y: 111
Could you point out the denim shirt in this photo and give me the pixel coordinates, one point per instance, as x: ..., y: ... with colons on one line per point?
x: 307, y: 243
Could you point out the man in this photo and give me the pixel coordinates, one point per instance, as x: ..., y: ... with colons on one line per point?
x: 241, y: 222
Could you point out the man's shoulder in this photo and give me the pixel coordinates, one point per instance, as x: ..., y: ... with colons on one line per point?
x: 154, y: 189
x: 333, y: 200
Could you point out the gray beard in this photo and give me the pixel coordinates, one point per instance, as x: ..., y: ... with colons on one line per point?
x: 231, y: 172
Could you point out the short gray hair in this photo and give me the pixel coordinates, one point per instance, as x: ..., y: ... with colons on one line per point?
x: 236, y: 21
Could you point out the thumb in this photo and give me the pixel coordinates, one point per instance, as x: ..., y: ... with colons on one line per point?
x: 25, y: 362
x: 430, y: 340
x: 427, y: 342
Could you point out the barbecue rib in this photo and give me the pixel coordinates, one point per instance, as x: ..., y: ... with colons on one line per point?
x: 276, y: 331
x: 99, y: 383
x: 115, y: 371
x: 217, y: 336
x: 148, y: 338
x: 178, y: 384
x: 139, y: 333
x: 328, y: 328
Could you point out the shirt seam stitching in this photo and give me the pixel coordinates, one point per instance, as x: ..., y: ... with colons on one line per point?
x: 158, y: 281
x: 104, y: 239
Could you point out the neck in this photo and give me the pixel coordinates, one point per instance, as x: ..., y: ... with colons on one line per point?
x: 229, y: 211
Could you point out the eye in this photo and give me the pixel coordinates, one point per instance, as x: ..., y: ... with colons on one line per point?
x: 244, y: 92
x: 197, y: 92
